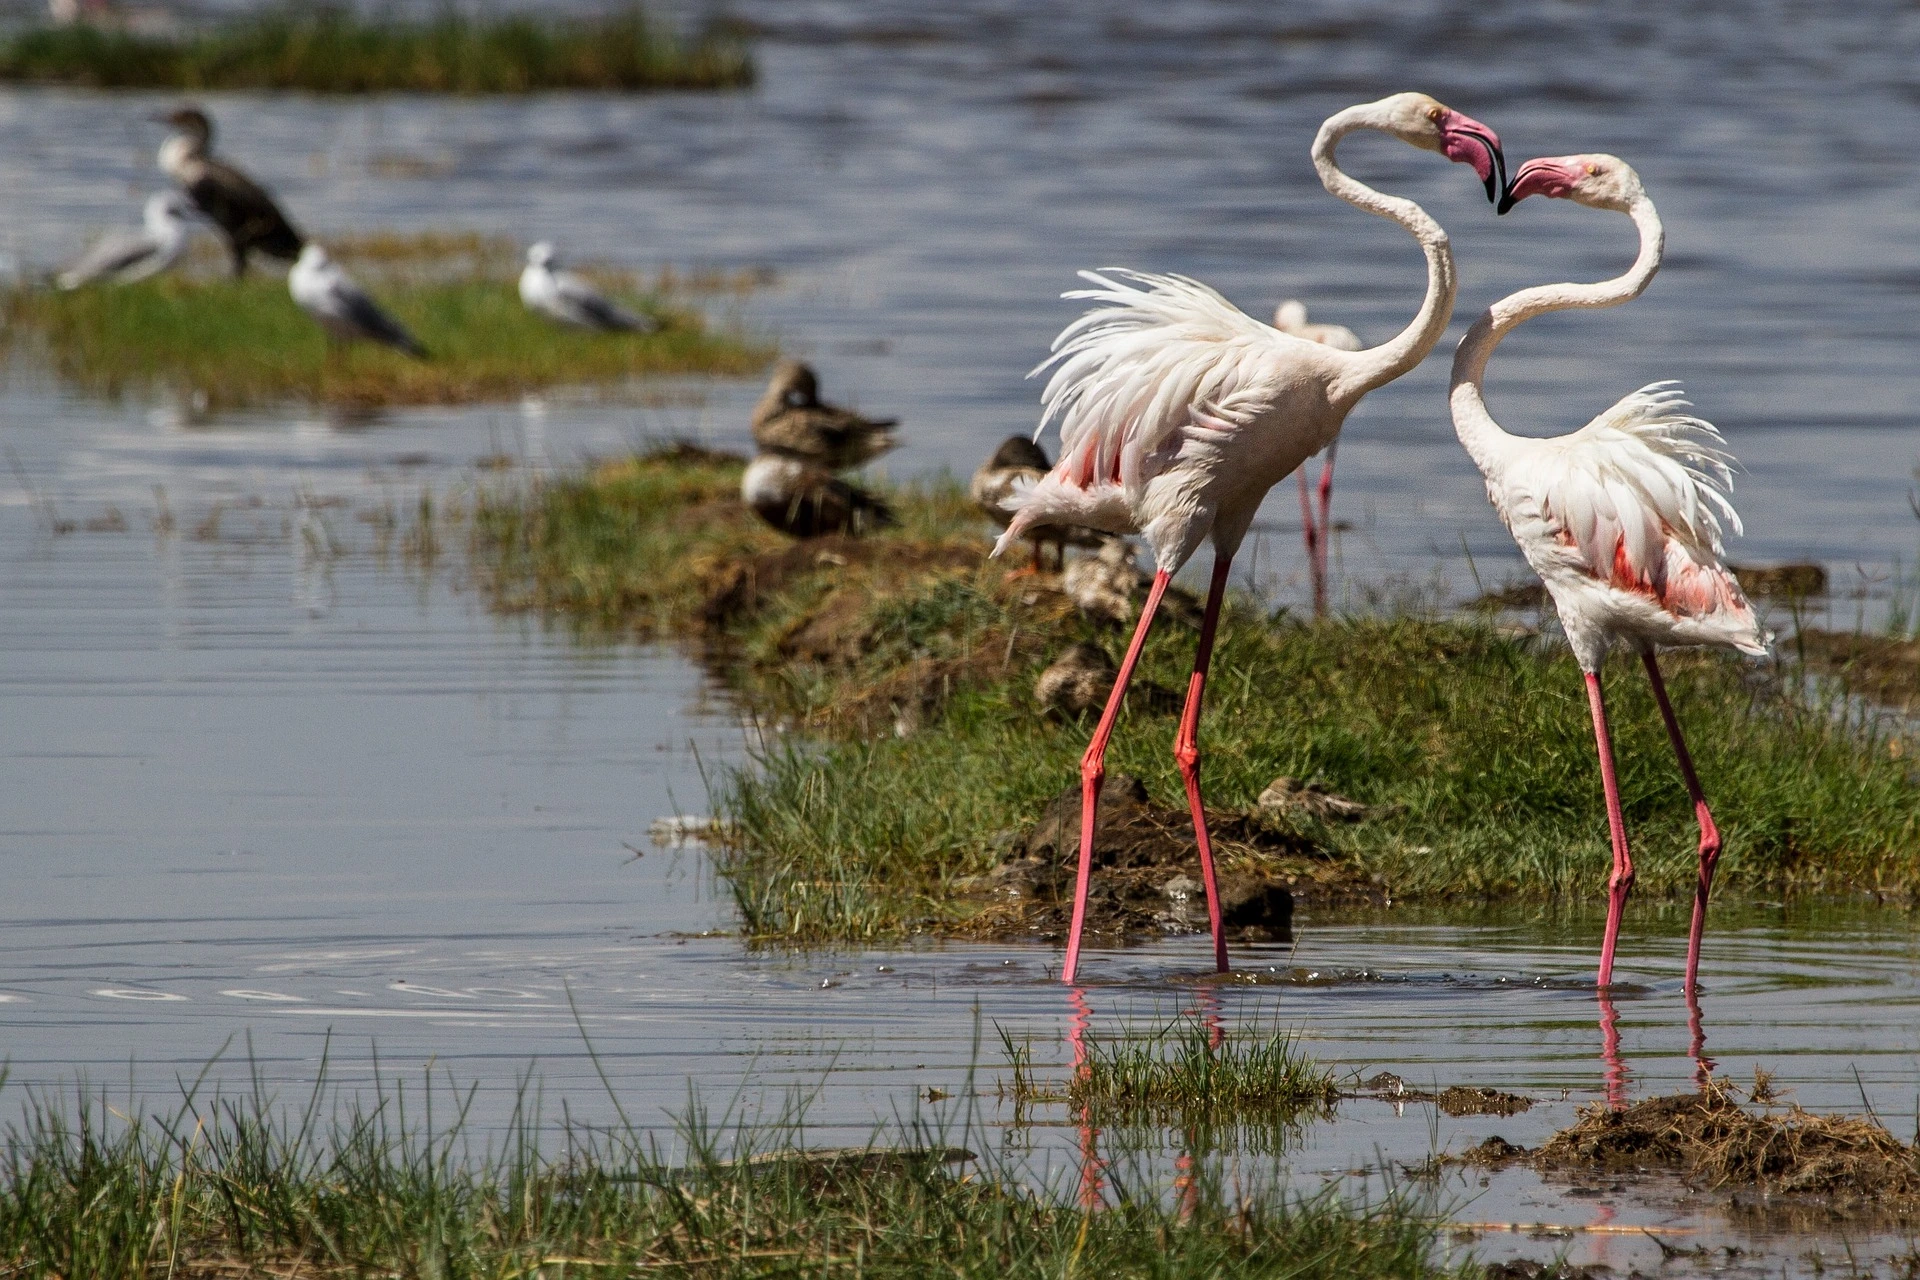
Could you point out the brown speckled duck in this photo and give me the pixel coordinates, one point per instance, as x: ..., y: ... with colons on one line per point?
x: 792, y: 417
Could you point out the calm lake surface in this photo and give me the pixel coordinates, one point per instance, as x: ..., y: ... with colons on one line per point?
x: 268, y: 784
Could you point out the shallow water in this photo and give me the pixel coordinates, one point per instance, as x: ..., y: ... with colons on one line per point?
x: 264, y: 783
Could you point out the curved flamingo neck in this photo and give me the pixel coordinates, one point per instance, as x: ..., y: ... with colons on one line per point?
x: 1377, y: 366
x: 1482, y: 436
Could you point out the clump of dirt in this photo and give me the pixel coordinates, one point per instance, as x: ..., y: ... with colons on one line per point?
x: 1711, y: 1138
x: 1146, y: 872
x: 1455, y: 1100
x: 1787, y: 581
x: 1884, y: 668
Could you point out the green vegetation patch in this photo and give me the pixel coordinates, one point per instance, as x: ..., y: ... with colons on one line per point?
x: 335, y: 50
x: 1187, y: 1071
x: 221, y: 343
x: 226, y: 1187
x: 909, y: 662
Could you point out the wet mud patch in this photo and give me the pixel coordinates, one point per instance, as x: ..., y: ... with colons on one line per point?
x: 1146, y: 873
x: 1717, y: 1143
x: 1454, y: 1100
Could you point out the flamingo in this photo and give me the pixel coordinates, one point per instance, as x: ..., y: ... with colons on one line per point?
x: 1621, y: 519
x: 1291, y: 317
x: 1178, y: 412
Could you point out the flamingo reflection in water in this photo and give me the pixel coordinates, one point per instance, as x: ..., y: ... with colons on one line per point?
x: 1186, y: 1183
x: 1613, y: 1066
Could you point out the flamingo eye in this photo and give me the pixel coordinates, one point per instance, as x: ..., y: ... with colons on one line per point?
x: 1593, y: 170
x: 1435, y: 112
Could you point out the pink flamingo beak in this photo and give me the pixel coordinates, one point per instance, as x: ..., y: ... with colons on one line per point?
x: 1547, y: 176
x: 1466, y: 140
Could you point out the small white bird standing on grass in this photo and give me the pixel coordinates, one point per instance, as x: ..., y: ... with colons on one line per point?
x: 1178, y: 412
x: 1622, y: 518
x: 343, y: 308
x: 570, y: 298
x: 1291, y: 317
x: 121, y: 257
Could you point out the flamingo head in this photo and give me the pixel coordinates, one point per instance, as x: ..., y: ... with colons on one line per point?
x: 1419, y: 120
x: 1597, y: 181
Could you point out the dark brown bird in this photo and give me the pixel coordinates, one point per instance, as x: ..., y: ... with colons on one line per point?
x: 233, y: 202
x: 800, y: 497
x: 1015, y: 465
x: 792, y: 417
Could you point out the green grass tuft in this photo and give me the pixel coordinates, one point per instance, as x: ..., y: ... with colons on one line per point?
x: 1188, y: 1071
x: 333, y: 50
x: 236, y: 1186
x: 223, y: 343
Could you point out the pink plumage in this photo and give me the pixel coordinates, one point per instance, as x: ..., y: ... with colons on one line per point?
x: 1622, y: 520
x: 1178, y: 412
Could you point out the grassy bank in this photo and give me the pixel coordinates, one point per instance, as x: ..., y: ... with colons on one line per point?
x: 226, y: 1187
x: 910, y: 661
x: 224, y: 343
x: 335, y: 50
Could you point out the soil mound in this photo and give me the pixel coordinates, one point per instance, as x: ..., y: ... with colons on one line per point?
x: 1710, y: 1138
x: 1146, y: 877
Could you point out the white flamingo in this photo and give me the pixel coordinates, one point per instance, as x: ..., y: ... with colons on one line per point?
x: 1291, y: 317
x: 1622, y: 518
x: 1178, y: 412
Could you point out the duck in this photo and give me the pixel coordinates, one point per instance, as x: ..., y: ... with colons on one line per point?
x: 1017, y: 464
x: 803, y: 499
x: 791, y: 417
x: 549, y: 290
x: 246, y: 215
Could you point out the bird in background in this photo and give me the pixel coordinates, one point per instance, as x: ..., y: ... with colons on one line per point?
x: 803, y: 499
x: 343, y: 308
x: 548, y: 289
x: 1291, y: 317
x: 122, y: 257
x: 243, y: 211
x: 1178, y: 413
x: 1015, y: 466
x: 792, y: 417
x: 1622, y: 519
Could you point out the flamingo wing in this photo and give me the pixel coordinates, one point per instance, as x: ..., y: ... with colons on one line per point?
x: 1163, y: 354
x: 1638, y: 500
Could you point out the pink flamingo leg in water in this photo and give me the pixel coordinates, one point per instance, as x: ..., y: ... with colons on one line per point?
x: 1709, y: 833
x: 1621, y: 882
x: 1186, y: 751
x: 1697, y: 1049
x: 1093, y: 769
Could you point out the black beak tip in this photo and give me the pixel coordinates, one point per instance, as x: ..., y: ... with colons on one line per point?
x: 1493, y: 190
x: 1506, y: 202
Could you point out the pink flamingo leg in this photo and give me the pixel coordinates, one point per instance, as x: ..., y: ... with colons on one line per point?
x: 1326, y: 523
x: 1310, y: 531
x: 1709, y: 833
x: 1093, y: 769
x: 1186, y: 751
x: 1621, y: 882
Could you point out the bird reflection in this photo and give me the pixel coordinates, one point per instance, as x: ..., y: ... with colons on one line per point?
x: 1193, y: 1139
x: 1697, y: 1047
x: 1091, y: 1170
x: 1613, y: 1068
